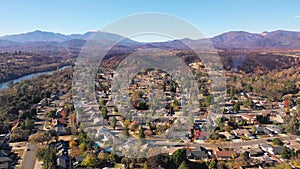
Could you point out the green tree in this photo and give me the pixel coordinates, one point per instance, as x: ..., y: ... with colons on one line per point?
x: 38, y: 137
x: 291, y: 124
x: 183, y: 165
x: 116, y: 109
x: 231, y: 93
x: 48, y: 156
x: 141, y: 133
x: 90, y: 161
x: 126, y: 131
x: 285, y: 153
x: 101, y: 102
x: 104, y: 112
x: 208, y: 100
x: 292, y: 154
x: 27, y: 124
x: 178, y: 156
x: 212, y: 164
x: 51, y: 134
x: 33, y: 111
x: 113, y: 122
x: 248, y: 103
x: 237, y: 107
x: 277, y: 141
x: 50, y: 114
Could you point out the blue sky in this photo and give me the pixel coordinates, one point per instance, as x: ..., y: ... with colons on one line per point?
x: 211, y: 17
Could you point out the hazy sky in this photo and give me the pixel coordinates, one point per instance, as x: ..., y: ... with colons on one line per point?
x: 211, y: 17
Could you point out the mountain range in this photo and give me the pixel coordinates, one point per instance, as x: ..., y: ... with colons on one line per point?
x: 279, y: 39
x: 41, y: 36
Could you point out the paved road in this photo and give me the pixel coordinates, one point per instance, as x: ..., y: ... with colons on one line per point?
x: 228, y: 144
x: 29, y: 158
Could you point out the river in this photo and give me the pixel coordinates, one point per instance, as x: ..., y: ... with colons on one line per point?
x: 3, y: 85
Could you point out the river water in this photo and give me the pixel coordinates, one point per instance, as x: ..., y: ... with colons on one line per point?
x: 29, y: 76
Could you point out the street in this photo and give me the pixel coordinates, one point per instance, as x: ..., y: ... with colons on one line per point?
x: 29, y: 157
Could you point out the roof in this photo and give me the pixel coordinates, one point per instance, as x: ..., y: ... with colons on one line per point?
x: 265, y: 146
x: 248, y: 116
x: 61, y: 162
x: 4, y: 165
x: 110, y: 103
x: 242, y: 132
x: 294, y: 145
x: 80, y: 158
x: 256, y: 152
x: 197, y: 154
x: 5, y: 159
x: 224, y: 154
x: 278, y: 150
x: 200, y: 148
x: 226, y: 134
x: 274, y: 128
x: 5, y: 152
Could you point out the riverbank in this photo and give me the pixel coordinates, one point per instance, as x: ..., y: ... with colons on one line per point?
x: 4, y: 85
x: 46, y: 69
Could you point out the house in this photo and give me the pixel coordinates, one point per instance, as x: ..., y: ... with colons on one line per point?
x: 242, y: 132
x: 5, y: 162
x: 274, y: 150
x: 5, y: 153
x: 78, y: 160
x: 148, y: 133
x: 170, y: 150
x: 110, y: 105
x: 262, y: 130
x: 267, y: 161
x: 228, y: 135
x: 277, y: 117
x: 197, y: 154
x: 2, y: 141
x: 265, y: 147
x: 294, y: 145
x: 251, y: 119
x: 63, y: 158
x: 225, y: 155
x: 275, y: 129
x: 61, y: 163
x: 255, y: 152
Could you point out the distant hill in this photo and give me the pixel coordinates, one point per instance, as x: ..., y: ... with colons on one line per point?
x: 238, y: 40
x: 5, y: 43
x: 276, y: 39
x: 41, y: 36
x: 230, y: 40
x: 104, y: 35
x: 36, y: 36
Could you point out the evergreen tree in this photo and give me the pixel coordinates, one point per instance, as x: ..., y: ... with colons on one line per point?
x: 183, y: 165
x: 212, y: 164
x: 178, y: 156
x: 141, y: 133
x: 113, y: 123
x: 236, y: 107
x: 104, y: 113
x: 285, y: 153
